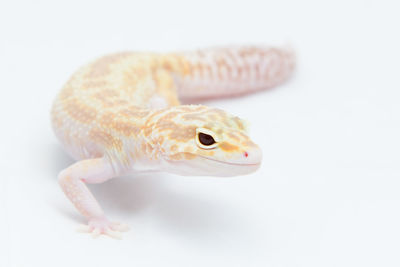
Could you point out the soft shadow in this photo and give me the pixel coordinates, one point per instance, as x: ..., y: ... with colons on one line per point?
x: 176, y: 212
x: 198, y: 218
x: 128, y: 194
x: 58, y: 158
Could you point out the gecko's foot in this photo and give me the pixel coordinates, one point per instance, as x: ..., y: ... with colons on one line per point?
x: 98, y: 226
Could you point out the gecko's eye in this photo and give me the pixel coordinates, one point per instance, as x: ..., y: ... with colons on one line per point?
x: 205, y: 139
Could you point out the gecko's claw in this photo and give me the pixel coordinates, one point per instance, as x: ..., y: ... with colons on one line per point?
x: 99, y: 226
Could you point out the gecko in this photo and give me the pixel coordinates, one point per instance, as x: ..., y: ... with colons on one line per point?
x: 121, y: 114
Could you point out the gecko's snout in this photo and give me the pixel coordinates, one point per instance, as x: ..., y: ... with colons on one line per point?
x: 252, y: 156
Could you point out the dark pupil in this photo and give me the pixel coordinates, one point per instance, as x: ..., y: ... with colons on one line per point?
x: 206, y: 139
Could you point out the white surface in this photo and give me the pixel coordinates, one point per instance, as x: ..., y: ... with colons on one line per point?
x: 326, y: 195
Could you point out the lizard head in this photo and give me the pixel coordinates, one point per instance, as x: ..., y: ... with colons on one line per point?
x: 199, y: 140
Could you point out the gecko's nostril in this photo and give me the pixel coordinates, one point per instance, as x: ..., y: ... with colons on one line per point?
x: 246, y: 154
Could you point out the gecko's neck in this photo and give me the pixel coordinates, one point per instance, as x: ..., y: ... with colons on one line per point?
x: 141, y: 150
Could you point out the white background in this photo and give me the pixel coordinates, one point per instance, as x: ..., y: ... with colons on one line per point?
x: 327, y: 193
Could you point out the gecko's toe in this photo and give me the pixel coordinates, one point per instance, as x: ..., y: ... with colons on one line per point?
x: 102, y: 226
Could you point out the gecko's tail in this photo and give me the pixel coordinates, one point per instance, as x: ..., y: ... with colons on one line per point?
x: 231, y: 71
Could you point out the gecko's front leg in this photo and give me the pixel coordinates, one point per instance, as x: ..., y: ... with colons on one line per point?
x: 72, y: 181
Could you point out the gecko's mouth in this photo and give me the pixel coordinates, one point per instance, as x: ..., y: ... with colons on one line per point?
x: 232, y: 163
x: 205, y: 166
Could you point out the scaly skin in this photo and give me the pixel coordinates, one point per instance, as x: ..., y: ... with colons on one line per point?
x: 121, y: 114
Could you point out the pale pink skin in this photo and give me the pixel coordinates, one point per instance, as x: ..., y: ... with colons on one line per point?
x: 95, y: 121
